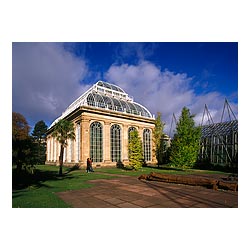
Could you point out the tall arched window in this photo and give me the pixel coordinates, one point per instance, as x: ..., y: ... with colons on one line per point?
x: 115, y: 143
x: 96, y: 138
x: 130, y: 129
x: 147, y: 144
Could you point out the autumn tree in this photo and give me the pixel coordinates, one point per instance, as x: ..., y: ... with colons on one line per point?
x: 20, y: 127
x: 135, y: 152
x: 158, y: 135
x: 21, y: 141
x: 63, y: 131
x: 184, y: 147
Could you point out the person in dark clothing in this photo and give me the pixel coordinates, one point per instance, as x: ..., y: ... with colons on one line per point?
x: 88, y: 165
x: 91, y: 169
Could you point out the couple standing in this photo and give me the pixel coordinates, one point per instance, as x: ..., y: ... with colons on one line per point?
x: 89, y: 166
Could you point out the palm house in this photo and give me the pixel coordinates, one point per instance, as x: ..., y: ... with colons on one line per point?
x: 103, y: 117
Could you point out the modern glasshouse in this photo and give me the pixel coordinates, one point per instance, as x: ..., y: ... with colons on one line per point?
x: 219, y: 141
x: 219, y: 144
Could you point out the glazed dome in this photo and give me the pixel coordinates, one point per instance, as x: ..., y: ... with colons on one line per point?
x: 104, y: 95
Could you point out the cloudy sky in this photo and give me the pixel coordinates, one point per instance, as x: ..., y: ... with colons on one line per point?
x: 164, y: 77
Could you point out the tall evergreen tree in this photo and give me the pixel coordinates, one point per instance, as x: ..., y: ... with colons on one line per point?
x: 184, y: 148
x: 63, y: 131
x: 39, y: 135
x: 39, y: 131
x: 135, y: 153
x: 158, y: 135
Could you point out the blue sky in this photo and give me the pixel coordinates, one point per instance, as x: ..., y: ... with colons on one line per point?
x: 213, y: 63
x: 164, y: 77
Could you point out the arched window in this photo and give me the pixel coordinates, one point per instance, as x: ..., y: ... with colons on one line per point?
x: 130, y: 129
x: 147, y: 144
x: 115, y: 143
x: 96, y: 138
x: 91, y: 100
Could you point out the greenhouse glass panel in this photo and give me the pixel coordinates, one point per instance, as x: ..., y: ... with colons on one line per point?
x: 96, y: 142
x: 115, y: 141
x: 147, y: 144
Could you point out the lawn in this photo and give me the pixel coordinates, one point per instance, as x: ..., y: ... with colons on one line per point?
x: 39, y: 191
x: 162, y: 169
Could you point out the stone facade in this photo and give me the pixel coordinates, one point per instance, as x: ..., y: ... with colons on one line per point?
x: 106, y: 143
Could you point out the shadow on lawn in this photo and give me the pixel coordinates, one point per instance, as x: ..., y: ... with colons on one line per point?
x: 75, y: 167
x: 23, y: 179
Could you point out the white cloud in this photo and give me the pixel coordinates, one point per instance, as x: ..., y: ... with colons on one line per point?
x: 46, y: 79
x: 164, y: 91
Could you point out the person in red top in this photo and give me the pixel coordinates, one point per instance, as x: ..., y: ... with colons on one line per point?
x: 88, y: 165
x: 91, y: 169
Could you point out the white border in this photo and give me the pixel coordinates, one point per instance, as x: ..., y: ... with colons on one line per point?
x: 123, y: 21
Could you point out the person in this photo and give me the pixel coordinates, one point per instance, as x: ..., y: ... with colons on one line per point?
x: 88, y: 165
x: 91, y: 169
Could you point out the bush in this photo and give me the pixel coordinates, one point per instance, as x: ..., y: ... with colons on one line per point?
x: 135, y: 153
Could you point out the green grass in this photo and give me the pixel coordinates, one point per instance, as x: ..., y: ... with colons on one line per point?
x: 162, y: 169
x: 39, y: 190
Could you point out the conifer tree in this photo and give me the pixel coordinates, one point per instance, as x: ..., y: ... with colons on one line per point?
x: 184, y: 148
x: 135, y: 153
x: 39, y: 135
x: 158, y: 135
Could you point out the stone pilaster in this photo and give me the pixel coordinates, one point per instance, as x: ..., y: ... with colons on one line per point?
x: 124, y: 138
x: 106, y: 142
x: 48, y: 149
x: 85, y: 141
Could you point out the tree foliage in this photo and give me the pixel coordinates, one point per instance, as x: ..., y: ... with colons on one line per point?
x: 63, y: 131
x: 39, y: 135
x: 39, y: 131
x: 135, y: 152
x: 158, y: 135
x: 23, y: 147
x: 20, y: 127
x: 184, y: 148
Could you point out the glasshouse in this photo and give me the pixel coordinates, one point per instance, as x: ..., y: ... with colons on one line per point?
x: 103, y: 117
x: 219, y: 143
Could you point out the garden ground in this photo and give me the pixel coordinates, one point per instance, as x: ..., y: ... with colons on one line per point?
x: 112, y: 188
x: 129, y: 192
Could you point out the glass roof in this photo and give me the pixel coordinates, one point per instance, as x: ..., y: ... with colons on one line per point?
x: 100, y: 100
x: 108, y: 96
x: 223, y: 128
x: 109, y: 86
